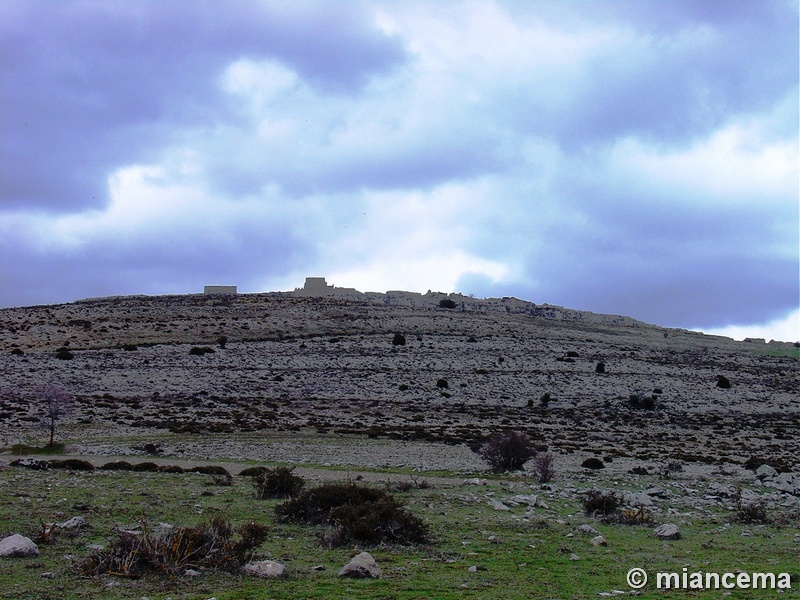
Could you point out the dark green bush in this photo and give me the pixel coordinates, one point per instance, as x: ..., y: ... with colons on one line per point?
x: 599, y: 503
x: 356, y: 513
x: 200, y: 350
x: 280, y: 482
x: 399, y: 340
x: 64, y: 354
x: 446, y: 303
x: 593, y: 463
x: 118, y: 465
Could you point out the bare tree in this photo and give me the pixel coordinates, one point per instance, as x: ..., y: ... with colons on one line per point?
x: 55, y: 404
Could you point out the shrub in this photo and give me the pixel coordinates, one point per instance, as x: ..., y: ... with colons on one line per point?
x: 253, y: 471
x: 146, y: 467
x: 600, y: 368
x: 200, y: 350
x: 507, y: 452
x: 73, y: 464
x: 399, y: 340
x: 442, y: 384
x: 545, y: 399
x: 723, y: 382
x: 64, y: 354
x: 599, y: 503
x: 751, y: 513
x: 222, y: 341
x: 593, y: 463
x: 211, y: 545
x: 446, y: 303
x: 543, y: 467
x: 118, y: 465
x: 356, y: 514
x: 17, y: 352
x: 280, y: 482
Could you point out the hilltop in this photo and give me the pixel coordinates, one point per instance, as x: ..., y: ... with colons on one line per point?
x: 314, y: 366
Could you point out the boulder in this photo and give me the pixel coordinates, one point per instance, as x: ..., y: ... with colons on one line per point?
x: 766, y: 472
x: 361, y: 565
x: 667, y: 531
x: 18, y: 545
x: 588, y: 530
x: 265, y: 568
x: 599, y: 540
x: 74, y: 523
x: 637, y: 499
x: 497, y: 505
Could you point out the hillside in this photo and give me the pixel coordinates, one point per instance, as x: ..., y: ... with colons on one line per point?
x: 328, y: 366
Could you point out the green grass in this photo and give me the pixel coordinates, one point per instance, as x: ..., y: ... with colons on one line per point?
x: 25, y: 449
x: 518, y: 555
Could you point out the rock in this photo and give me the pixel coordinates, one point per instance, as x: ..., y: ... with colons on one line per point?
x: 766, y: 472
x: 473, y: 569
x: 265, y: 568
x: 497, y: 505
x: 192, y: 573
x: 574, y: 557
x: 318, y: 568
x: 657, y: 492
x: 587, y: 529
x: 74, y: 523
x: 599, y: 540
x: 667, y: 531
x: 361, y: 565
x: 637, y: 499
x: 17, y: 545
x: 522, y: 499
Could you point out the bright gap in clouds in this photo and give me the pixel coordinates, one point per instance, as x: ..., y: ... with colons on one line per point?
x: 784, y: 330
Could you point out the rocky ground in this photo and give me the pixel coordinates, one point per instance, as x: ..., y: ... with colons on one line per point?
x: 328, y: 375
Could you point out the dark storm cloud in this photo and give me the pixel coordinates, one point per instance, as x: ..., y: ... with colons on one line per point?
x: 629, y: 156
x: 91, y: 86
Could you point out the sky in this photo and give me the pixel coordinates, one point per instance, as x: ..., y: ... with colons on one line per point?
x: 634, y: 157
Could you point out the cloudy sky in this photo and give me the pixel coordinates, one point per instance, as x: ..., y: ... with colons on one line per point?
x: 630, y: 157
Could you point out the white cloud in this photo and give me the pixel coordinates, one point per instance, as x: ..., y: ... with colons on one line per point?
x: 786, y: 329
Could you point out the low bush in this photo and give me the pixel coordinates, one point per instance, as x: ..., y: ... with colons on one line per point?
x: 253, y: 471
x: 117, y: 465
x: 200, y: 350
x: 280, y: 482
x: 73, y: 464
x: 447, y: 303
x: 599, y: 503
x: 507, y: 452
x: 211, y: 545
x: 593, y: 463
x: 64, y: 354
x: 543, y: 467
x: 399, y: 340
x: 357, y: 514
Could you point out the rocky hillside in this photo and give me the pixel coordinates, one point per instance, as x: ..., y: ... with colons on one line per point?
x: 394, y: 367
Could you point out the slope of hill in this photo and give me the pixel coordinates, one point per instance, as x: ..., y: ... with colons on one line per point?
x: 330, y: 366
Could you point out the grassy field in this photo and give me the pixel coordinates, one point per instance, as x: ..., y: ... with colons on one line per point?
x: 518, y: 553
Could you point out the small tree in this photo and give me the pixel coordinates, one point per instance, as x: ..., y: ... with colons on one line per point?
x: 55, y: 404
x: 508, y: 452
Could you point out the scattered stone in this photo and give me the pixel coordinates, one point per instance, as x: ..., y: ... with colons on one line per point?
x: 192, y: 573
x: 766, y: 472
x: 473, y: 569
x: 587, y: 529
x: 599, y: 540
x: 74, y: 523
x: 574, y: 557
x: 17, y: 545
x: 522, y: 499
x: 47, y: 575
x: 497, y: 505
x: 667, y: 531
x: 637, y: 499
x: 265, y: 568
x: 361, y: 565
x: 318, y: 568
